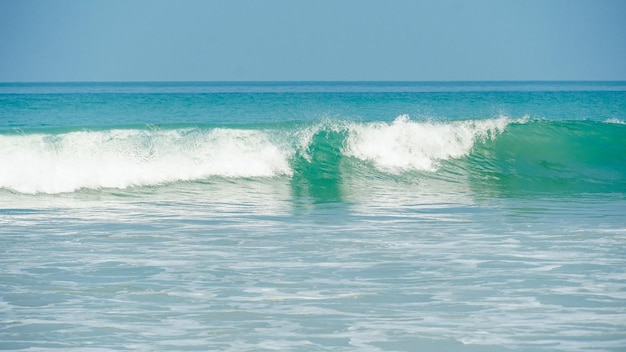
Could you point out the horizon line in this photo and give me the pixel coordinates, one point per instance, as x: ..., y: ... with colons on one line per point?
x: 318, y: 81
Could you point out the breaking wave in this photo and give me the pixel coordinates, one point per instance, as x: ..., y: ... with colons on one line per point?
x: 491, y: 153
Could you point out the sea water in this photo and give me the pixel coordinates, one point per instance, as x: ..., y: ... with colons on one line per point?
x: 313, y: 216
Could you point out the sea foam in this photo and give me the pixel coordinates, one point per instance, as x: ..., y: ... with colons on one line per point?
x: 406, y: 145
x: 615, y: 121
x: 57, y: 163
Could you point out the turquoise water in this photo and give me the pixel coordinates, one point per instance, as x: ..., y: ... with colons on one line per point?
x: 307, y: 216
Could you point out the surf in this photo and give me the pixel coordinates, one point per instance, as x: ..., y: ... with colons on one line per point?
x: 67, y: 162
x: 490, y: 155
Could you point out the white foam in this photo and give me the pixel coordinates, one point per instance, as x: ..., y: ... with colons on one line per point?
x: 41, y: 163
x: 406, y: 145
x: 615, y: 121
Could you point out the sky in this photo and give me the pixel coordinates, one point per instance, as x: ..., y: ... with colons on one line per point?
x: 312, y: 40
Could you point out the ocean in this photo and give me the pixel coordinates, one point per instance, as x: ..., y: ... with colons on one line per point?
x: 313, y: 216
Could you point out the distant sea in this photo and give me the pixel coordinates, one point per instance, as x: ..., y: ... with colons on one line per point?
x: 313, y: 216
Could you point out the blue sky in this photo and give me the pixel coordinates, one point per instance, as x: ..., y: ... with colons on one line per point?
x: 205, y: 40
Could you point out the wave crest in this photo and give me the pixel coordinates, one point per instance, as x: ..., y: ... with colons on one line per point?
x: 67, y: 162
x: 405, y: 145
x: 498, y: 153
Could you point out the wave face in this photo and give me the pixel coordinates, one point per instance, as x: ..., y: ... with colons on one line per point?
x: 555, y: 157
x: 488, y: 154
